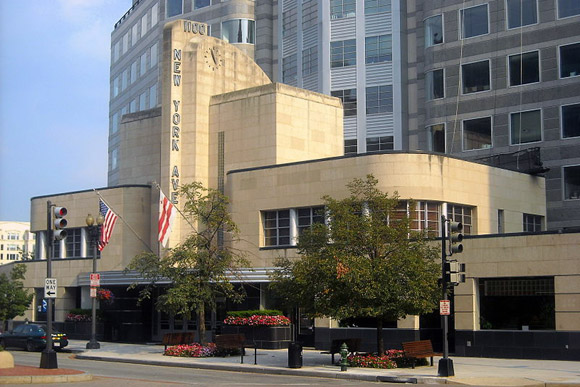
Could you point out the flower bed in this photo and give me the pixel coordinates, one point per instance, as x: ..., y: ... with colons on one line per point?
x: 191, y: 350
x: 257, y: 320
x: 393, y: 358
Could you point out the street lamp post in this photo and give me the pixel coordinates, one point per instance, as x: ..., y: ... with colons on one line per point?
x: 94, y: 235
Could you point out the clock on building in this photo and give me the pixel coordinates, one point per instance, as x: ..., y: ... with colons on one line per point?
x: 213, y: 58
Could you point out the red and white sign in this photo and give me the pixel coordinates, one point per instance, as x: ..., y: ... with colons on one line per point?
x: 444, y: 307
x: 93, y: 292
x: 95, y: 280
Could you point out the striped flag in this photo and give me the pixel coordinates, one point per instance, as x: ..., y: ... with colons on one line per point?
x: 107, y: 228
x: 166, y: 216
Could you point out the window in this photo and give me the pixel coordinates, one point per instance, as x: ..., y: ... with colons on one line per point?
x: 475, y: 77
x: 477, y: 133
x: 342, y: 8
x: 152, y: 96
x: 526, y: 127
x: 343, y: 53
x: 115, y: 123
x: 125, y: 44
x: 133, y: 72
x: 378, y: 49
x: 309, y: 14
x: 154, y: 14
x: 348, y: 98
x: 379, y: 99
x: 289, y: 69
x: 73, y: 243
x: 434, y: 84
x: 377, y: 6
x: 143, y: 66
x: 289, y: 22
x: 133, y: 106
x: 570, y: 60
x: 524, y: 68
x: 572, y: 182
x: 474, y: 21
x: 153, y: 61
x: 116, y: 51
x: 144, y: 25
x: 434, y: 30
x: 427, y: 218
x: 571, y: 121
x: 500, y: 222
x: 114, y: 158
x: 532, y: 223
x: 350, y: 147
x: 197, y: 4
x: 10, y: 247
x: 521, y: 13
x: 239, y: 31
x: 461, y: 214
x: 13, y: 236
x: 116, y: 86
x: 143, y: 101
x: 567, y: 8
x: 436, y: 138
x: 309, y: 216
x: 134, y: 34
x: 377, y: 144
x: 277, y: 228
x: 125, y: 79
x: 173, y: 7
x: 309, y: 61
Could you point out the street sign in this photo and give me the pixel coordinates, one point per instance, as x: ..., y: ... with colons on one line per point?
x: 93, y: 292
x: 50, y: 286
x: 445, y: 307
x: 95, y: 280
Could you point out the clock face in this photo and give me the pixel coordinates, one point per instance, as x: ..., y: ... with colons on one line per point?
x: 213, y: 58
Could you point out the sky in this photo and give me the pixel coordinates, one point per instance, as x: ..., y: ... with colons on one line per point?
x: 54, y: 97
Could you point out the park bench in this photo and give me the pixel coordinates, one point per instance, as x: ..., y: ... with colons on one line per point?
x: 419, y: 350
x: 353, y: 345
x: 176, y: 338
x: 235, y: 341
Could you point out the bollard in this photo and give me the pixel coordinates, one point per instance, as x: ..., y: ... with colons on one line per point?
x: 343, y: 357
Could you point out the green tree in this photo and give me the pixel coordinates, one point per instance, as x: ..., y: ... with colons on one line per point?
x: 197, y: 268
x: 366, y: 262
x: 14, y: 300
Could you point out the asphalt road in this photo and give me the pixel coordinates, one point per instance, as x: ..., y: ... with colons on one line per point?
x: 128, y: 375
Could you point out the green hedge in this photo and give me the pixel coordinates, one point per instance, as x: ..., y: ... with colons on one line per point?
x: 250, y: 313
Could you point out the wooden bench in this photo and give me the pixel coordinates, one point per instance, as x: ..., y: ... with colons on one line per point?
x: 176, y: 338
x: 419, y: 350
x: 234, y: 341
x: 353, y: 345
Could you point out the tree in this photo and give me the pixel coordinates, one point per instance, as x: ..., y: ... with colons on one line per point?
x: 197, y: 268
x: 366, y: 262
x: 14, y: 300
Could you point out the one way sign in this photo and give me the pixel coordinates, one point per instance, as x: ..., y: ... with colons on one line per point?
x: 50, y: 288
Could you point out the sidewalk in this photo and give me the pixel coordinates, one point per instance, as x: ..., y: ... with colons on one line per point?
x: 468, y: 371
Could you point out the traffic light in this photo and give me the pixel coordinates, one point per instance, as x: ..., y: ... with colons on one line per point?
x: 59, y: 223
x: 455, y: 237
x: 454, y: 272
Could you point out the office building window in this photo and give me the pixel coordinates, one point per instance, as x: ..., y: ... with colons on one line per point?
x: 343, y: 53
x: 125, y: 79
x: 115, y: 123
x: 567, y: 8
x: 572, y: 182
x: 134, y: 34
x: 116, y: 86
x: 309, y: 14
x: 197, y: 4
x: 144, y: 25
x: 475, y: 77
x: 474, y: 21
x: 289, y: 69
x: 379, y: 99
x: 461, y: 214
x: 13, y: 236
x: 570, y: 60
x: 173, y: 8
x: 309, y: 216
x: 350, y: 147
x: 154, y: 14
x: 570, y: 121
x: 133, y: 72
x: 239, y: 31
x: 277, y: 228
x: 114, y: 158
x: 433, y: 30
x: 524, y: 68
x: 378, y: 49
x: 521, y: 13
x: 348, y: 98
x: 434, y: 84
x: 153, y: 61
x: 143, y: 101
x: 532, y: 223
x: 116, y: 51
x: 143, y: 64
x: 342, y: 8
x: 426, y: 218
x: 73, y: 243
x: 310, y: 61
x: 377, y: 6
x: 526, y: 127
x: 377, y: 144
x: 500, y: 222
x: 125, y: 43
x: 436, y: 138
x: 289, y: 22
x: 152, y: 96
x: 477, y: 134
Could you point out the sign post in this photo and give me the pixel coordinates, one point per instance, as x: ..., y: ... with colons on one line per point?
x: 50, y: 287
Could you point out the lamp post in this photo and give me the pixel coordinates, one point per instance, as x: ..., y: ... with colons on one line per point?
x: 94, y: 235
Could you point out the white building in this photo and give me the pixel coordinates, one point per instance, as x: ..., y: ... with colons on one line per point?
x: 16, y: 241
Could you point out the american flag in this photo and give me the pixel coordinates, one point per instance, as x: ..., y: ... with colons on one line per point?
x: 166, y: 217
x: 107, y: 228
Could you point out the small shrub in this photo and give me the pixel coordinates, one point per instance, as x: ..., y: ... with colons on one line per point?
x: 250, y: 313
x: 393, y: 358
x: 191, y: 350
x: 257, y: 320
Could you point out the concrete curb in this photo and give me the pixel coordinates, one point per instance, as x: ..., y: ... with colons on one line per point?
x: 46, y: 379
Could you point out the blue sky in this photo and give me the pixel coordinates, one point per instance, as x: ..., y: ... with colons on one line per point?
x: 54, y: 94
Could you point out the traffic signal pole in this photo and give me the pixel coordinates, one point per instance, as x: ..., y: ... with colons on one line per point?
x: 48, y: 356
x: 445, y: 367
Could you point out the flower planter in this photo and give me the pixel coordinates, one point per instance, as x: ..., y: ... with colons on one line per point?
x: 265, y: 337
x: 6, y: 360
